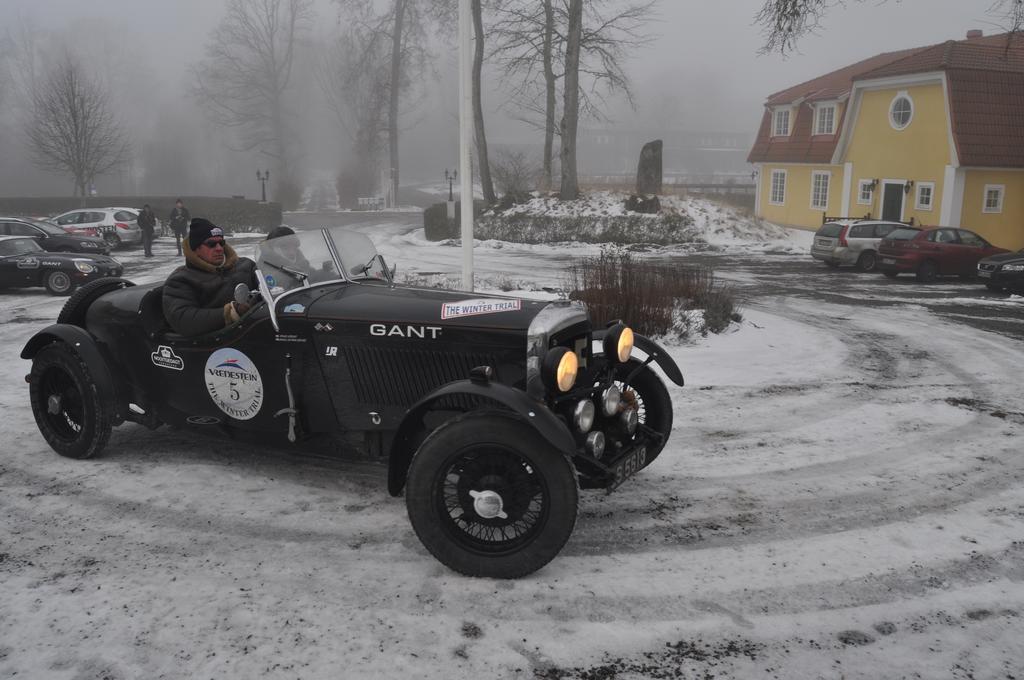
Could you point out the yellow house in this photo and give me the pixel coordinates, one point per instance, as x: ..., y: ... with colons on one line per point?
x: 931, y: 135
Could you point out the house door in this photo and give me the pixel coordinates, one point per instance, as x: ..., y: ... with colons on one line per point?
x: 892, y: 202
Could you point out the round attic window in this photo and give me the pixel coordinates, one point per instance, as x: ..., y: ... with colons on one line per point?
x: 901, y: 111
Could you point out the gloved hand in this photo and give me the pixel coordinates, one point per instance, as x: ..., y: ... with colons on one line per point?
x: 234, y: 311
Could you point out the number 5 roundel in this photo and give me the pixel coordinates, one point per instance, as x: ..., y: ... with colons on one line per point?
x: 234, y: 383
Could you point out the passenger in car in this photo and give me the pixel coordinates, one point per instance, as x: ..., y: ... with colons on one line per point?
x: 198, y: 297
x: 288, y: 252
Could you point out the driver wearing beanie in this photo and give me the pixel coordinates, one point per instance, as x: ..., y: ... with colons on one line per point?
x: 199, y: 296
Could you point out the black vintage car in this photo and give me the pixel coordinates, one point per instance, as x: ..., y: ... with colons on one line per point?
x: 51, y: 237
x: 24, y: 264
x: 489, y: 412
x: 1003, y: 272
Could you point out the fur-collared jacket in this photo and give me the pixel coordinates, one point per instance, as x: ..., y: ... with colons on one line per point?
x: 198, y: 295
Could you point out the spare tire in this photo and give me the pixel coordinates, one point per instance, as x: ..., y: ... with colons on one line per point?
x: 77, y: 305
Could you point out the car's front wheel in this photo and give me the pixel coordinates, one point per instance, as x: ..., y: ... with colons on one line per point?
x: 59, y: 283
x: 488, y: 496
x: 647, y: 394
x: 66, y: 405
x: 867, y: 261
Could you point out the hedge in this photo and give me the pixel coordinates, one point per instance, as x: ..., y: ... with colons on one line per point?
x: 438, y: 227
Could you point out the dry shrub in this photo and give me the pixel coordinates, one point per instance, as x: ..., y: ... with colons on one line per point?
x: 514, y: 172
x: 719, y: 309
x: 615, y: 285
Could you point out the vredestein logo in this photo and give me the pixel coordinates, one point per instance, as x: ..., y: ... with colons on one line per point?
x: 234, y: 383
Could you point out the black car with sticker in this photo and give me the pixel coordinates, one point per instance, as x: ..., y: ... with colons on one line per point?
x: 490, y: 413
x: 24, y: 264
x: 51, y: 237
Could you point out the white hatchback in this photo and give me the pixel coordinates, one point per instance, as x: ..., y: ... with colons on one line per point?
x: 116, y: 226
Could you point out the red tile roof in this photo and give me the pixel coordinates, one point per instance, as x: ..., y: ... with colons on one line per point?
x: 835, y: 84
x: 986, y: 91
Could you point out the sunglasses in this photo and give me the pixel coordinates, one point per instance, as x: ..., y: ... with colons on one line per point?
x: 213, y: 242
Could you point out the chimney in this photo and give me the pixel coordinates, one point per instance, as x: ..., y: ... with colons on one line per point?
x: 974, y: 33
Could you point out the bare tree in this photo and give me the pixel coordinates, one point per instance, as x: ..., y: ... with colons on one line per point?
x: 21, y: 50
x: 530, y: 39
x: 571, y: 108
x: 352, y: 73
x: 72, y: 128
x: 784, y: 22
x: 404, y: 25
x: 483, y: 164
x: 244, y: 81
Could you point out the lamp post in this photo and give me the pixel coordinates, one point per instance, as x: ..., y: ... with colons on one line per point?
x: 263, y: 178
x: 451, y: 176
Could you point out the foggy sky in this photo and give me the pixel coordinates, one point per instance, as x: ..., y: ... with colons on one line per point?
x: 701, y: 71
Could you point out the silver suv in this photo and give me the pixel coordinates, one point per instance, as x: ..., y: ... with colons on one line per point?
x: 852, y: 242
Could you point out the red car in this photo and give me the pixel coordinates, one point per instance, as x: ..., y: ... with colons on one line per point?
x: 936, y: 251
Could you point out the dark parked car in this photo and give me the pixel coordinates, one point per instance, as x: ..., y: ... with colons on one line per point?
x: 24, y: 264
x: 489, y: 412
x: 932, y: 252
x: 1003, y: 272
x: 852, y: 242
x: 51, y: 237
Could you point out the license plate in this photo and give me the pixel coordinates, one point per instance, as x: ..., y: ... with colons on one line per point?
x: 985, y: 275
x: 888, y: 260
x: 630, y: 465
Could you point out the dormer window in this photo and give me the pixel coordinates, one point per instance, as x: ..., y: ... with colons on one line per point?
x: 781, y: 124
x: 825, y: 119
x: 901, y: 111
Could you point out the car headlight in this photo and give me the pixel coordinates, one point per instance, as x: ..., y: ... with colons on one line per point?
x: 560, y: 369
x: 583, y: 415
x: 618, y: 343
x: 84, y: 267
x: 1013, y: 267
x: 610, y: 400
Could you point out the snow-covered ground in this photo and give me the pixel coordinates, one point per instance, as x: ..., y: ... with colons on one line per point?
x: 841, y: 498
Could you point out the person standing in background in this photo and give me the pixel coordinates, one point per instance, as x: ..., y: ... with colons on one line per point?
x: 147, y: 223
x: 179, y: 222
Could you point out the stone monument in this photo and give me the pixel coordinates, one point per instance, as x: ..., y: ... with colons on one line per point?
x: 648, y: 172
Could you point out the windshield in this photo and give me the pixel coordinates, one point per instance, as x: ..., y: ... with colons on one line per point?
x: 19, y: 246
x: 902, y: 234
x: 305, y: 258
x: 359, y: 257
x: 49, y: 227
x: 830, y: 230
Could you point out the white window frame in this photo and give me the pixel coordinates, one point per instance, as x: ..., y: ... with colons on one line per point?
x: 918, y: 205
x: 771, y: 188
x: 861, y: 191
x: 815, y: 174
x: 818, y: 110
x: 775, y: 122
x: 1001, y: 191
x: 902, y: 94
